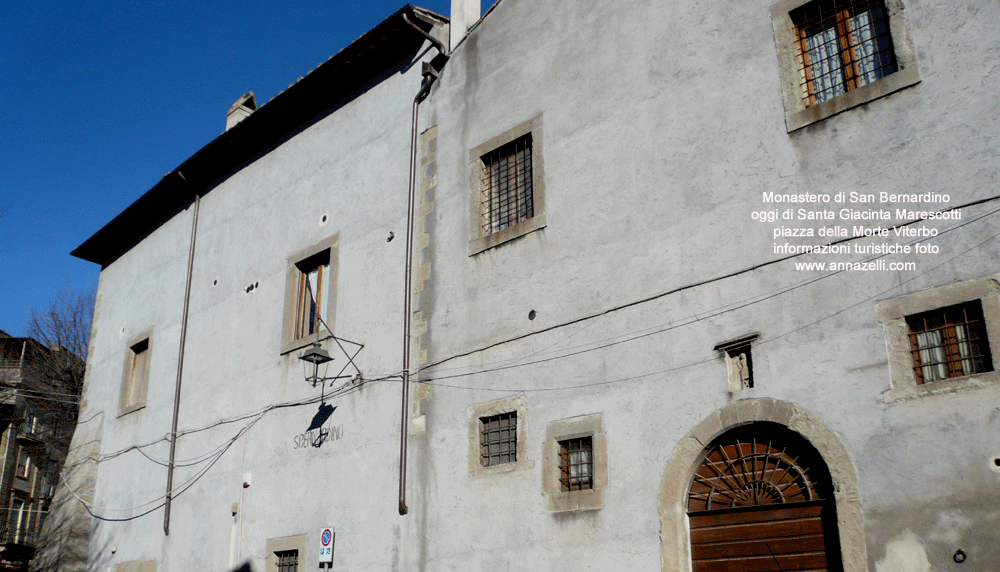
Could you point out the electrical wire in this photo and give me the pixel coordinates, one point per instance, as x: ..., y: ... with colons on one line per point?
x: 215, y: 454
x: 726, y: 309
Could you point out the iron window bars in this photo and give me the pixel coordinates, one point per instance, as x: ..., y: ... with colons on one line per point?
x: 505, y: 186
x: 843, y: 45
x: 576, y: 464
x: 498, y: 439
x: 288, y: 560
x: 949, y: 342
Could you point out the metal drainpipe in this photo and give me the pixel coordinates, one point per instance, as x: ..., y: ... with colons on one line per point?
x: 180, y: 365
x: 429, y: 75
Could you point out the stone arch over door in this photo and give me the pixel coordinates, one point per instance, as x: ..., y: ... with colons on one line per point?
x: 691, y: 451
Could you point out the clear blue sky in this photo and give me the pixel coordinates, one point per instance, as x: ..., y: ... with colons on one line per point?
x: 98, y: 100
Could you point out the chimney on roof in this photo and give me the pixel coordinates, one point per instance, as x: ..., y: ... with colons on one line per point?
x: 240, y: 110
x: 464, y: 13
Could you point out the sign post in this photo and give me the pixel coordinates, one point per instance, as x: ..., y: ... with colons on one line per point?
x: 326, y: 541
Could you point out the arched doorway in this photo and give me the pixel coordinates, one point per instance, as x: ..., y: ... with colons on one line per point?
x: 762, y: 500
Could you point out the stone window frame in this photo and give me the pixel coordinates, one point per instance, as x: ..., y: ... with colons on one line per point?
x: 135, y: 385
x: 892, y: 314
x: 293, y: 274
x: 515, y: 403
x: 479, y: 241
x: 557, y: 500
x: 284, y: 544
x: 797, y: 115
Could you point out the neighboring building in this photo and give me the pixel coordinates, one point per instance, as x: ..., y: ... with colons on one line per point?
x: 38, y: 426
x: 625, y: 352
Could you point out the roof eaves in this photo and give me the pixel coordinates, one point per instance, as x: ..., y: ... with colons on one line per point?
x: 322, y: 90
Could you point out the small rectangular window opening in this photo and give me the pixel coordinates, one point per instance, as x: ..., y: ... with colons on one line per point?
x: 311, y: 307
x: 506, y: 186
x: 498, y: 439
x: 843, y: 45
x: 288, y: 560
x: 140, y: 354
x: 949, y: 342
x: 576, y: 464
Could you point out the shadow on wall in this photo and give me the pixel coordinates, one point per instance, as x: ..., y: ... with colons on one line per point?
x: 65, y: 536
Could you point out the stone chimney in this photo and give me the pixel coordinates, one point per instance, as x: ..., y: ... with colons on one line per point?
x: 240, y: 110
x: 464, y: 13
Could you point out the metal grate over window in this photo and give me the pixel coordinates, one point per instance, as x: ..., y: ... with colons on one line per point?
x: 506, y: 186
x: 576, y: 464
x: 949, y: 342
x: 843, y: 45
x: 288, y: 560
x: 498, y: 439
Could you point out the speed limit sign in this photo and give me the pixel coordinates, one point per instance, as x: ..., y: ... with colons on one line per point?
x: 326, y: 540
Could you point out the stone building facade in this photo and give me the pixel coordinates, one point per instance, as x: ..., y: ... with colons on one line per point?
x: 692, y: 286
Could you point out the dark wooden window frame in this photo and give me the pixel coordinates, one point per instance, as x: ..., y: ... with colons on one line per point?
x: 310, y: 302
x: 576, y: 454
x: 840, y: 19
x: 947, y: 321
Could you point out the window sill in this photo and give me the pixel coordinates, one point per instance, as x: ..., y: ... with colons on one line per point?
x: 131, y: 409
x: 943, y: 387
x: 903, y: 78
x: 575, y: 501
x: 520, y: 229
x: 305, y: 341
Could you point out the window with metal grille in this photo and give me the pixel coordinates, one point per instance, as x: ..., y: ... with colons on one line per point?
x: 843, y: 45
x: 576, y: 464
x: 498, y: 439
x: 949, y: 342
x: 506, y: 186
x: 288, y: 560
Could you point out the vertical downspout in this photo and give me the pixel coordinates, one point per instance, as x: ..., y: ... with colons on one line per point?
x: 180, y: 366
x: 430, y: 73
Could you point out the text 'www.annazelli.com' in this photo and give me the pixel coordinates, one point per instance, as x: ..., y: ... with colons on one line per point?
x: 870, y: 266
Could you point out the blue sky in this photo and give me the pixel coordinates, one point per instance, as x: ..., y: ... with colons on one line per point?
x: 99, y: 100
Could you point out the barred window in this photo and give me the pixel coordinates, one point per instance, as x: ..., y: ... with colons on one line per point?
x: 949, y: 342
x: 498, y: 439
x: 506, y: 186
x: 288, y: 560
x: 576, y: 464
x: 843, y: 45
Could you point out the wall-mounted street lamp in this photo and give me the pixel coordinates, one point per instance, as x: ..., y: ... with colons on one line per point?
x: 317, y: 356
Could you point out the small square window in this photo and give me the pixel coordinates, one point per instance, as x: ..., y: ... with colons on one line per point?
x: 576, y: 464
x: 283, y: 553
x: 135, y: 378
x: 506, y: 186
x: 939, y: 339
x: 314, y: 275
x: 949, y: 342
x: 287, y: 560
x: 498, y: 439
x: 843, y: 45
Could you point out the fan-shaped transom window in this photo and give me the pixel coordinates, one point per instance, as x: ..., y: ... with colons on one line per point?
x: 752, y: 473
